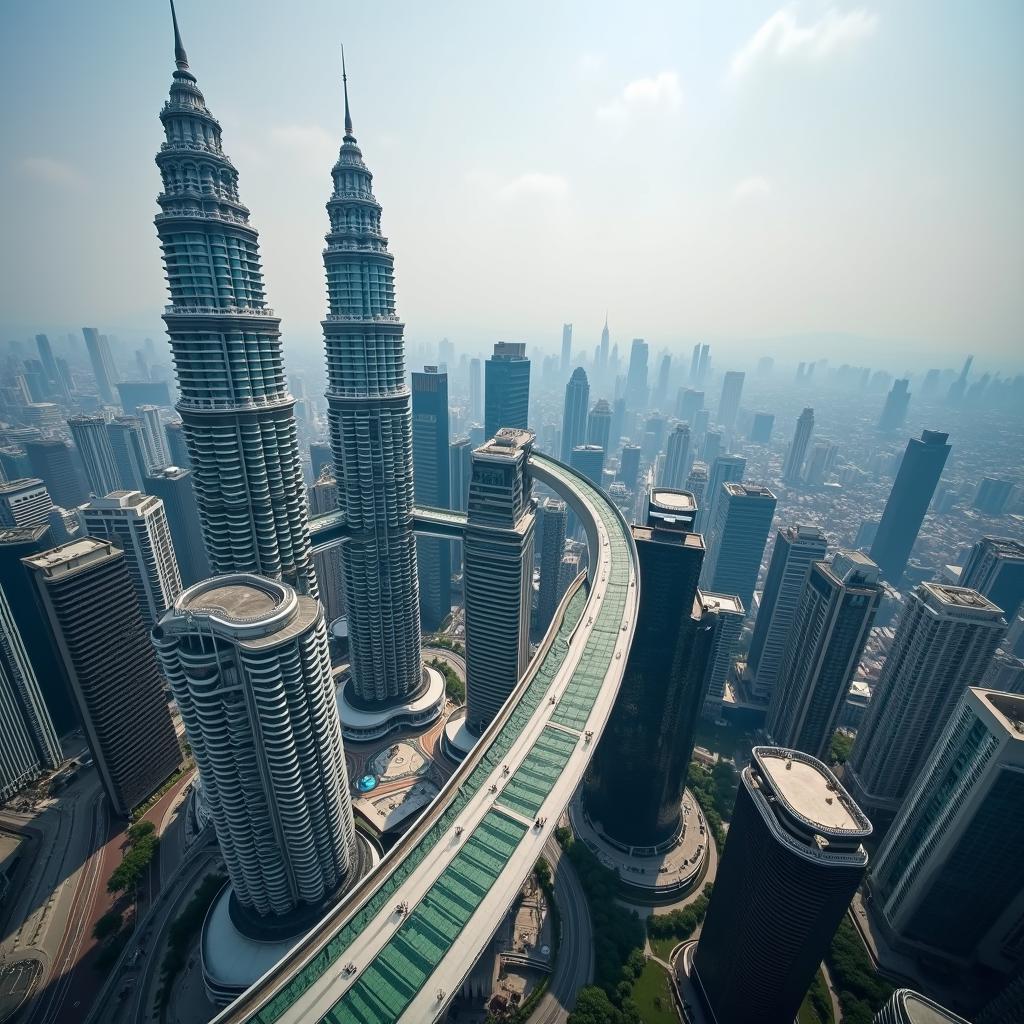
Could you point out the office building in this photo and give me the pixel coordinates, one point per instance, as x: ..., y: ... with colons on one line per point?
x: 602, y: 351
x: 819, y: 463
x: 1007, y: 1006
x: 136, y: 393
x: 629, y: 465
x: 618, y: 426
x: 552, y: 521
x: 894, y: 412
x: 476, y: 391
x: 138, y: 525
x: 368, y: 398
x: 24, y: 502
x: 28, y: 740
x: 712, y: 446
x: 724, y: 613
x: 320, y: 454
x: 743, y: 520
x: 636, y: 377
x: 90, y: 436
x: 793, y: 466
x: 795, y: 549
x: 635, y: 783
x: 236, y: 410
x: 908, y: 1007
x: 908, y: 502
x: 677, y: 457
x: 153, y: 435
x: 574, y: 414
x: 506, y: 388
x: 588, y: 459
x: 102, y: 363
x: 498, y: 573
x: 48, y: 362
x: 729, y: 403
x: 995, y: 568
x: 131, y: 459
x: 654, y: 438
x: 723, y: 469
x: 697, y: 482
x: 90, y: 604
x: 688, y: 404
x: 173, y: 486
x: 276, y: 785
x: 51, y: 461
x: 660, y: 395
x: 460, y: 454
x: 826, y: 639
x: 992, y: 496
x: 792, y: 862
x: 566, y: 347
x: 948, y: 881
x: 177, y: 448
x: 944, y: 641
x: 761, y: 427
x: 328, y: 563
x: 432, y: 487
x: 599, y: 426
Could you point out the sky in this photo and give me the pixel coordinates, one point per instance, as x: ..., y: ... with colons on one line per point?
x: 845, y: 178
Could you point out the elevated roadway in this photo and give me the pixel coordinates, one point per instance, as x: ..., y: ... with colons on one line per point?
x: 400, y: 945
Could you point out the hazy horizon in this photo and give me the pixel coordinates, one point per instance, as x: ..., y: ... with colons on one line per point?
x: 813, y: 180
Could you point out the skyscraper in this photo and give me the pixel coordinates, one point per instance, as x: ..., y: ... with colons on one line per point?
x: 131, y: 459
x: 956, y: 390
x: 28, y: 740
x: 588, y: 459
x: 660, y: 396
x: 635, y: 783
x: 724, y: 613
x: 908, y: 502
x: 629, y: 465
x: 498, y: 573
x: 602, y: 358
x: 819, y: 463
x: 992, y: 495
x: 792, y: 862
x: 46, y: 358
x: 723, y: 469
x: 320, y: 454
x: 894, y: 412
x: 138, y: 525
x: 476, y: 391
x: 796, y: 547
x: 636, y: 377
x: 729, y: 403
x: 153, y: 433
x: 689, y: 403
x: 792, y: 468
x: 107, y: 660
x: 825, y: 641
x: 675, y: 466
x: 948, y: 881
x: 432, y: 486
x: 177, y: 448
x: 743, y: 519
x: 24, y: 502
x: 102, y: 363
x: 506, y: 388
x: 552, y: 519
x: 276, y: 784
x: 574, y: 414
x: 460, y: 455
x: 566, y: 347
x: 329, y: 563
x: 51, y: 461
x: 371, y: 434
x: 944, y: 641
x: 236, y: 411
x: 599, y: 426
x: 908, y: 1007
x: 93, y: 443
x: 761, y: 428
x: 697, y: 482
x: 173, y: 486
x: 995, y: 568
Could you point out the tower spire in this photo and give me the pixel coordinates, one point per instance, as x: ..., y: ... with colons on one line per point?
x: 344, y: 82
x: 180, y: 56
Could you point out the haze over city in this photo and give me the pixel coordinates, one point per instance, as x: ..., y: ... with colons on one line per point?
x: 847, y: 174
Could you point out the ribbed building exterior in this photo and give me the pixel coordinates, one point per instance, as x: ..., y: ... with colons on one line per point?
x: 948, y: 881
x: 796, y: 547
x: 107, y: 660
x: 791, y: 864
x: 944, y: 641
x: 498, y: 573
x: 153, y: 432
x: 131, y: 455
x: 247, y: 660
x: 552, y: 520
x: 676, y: 464
x: 236, y: 411
x: 90, y: 436
x: 138, y: 525
x: 28, y: 740
x: 371, y: 435
x: 173, y: 486
x: 724, y: 613
x: 323, y: 498
x: 24, y: 502
x: 906, y: 1006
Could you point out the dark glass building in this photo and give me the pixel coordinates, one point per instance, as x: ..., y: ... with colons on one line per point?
x: 792, y: 862
x: 908, y: 502
x: 506, y: 388
x: 636, y: 779
x: 432, y: 486
x: 995, y: 568
x: 52, y: 461
x: 173, y: 486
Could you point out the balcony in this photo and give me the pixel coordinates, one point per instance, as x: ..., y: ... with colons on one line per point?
x: 262, y: 313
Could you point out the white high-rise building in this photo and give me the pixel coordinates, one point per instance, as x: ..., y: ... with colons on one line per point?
x: 944, y: 641
x: 247, y: 660
x: 948, y: 881
x: 153, y: 433
x: 93, y: 443
x: 674, y: 468
x: 24, y: 502
x: 137, y: 524
x: 724, y: 613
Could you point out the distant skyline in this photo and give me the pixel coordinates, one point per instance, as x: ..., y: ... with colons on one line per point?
x: 844, y: 175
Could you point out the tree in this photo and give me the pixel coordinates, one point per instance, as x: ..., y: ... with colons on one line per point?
x: 594, y: 1007
x: 140, y: 830
x: 109, y: 924
x: 841, y: 746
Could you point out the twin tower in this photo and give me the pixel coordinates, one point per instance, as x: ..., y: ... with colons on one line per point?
x: 238, y: 422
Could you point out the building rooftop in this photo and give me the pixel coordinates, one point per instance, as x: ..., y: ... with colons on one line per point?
x: 918, y: 1009
x: 68, y: 558
x: 123, y: 499
x: 676, y: 500
x: 809, y: 790
x: 1007, y: 707
x: 740, y: 490
x: 721, y: 602
x: 236, y: 598
x: 1005, y: 547
x: 22, y: 534
x: 960, y: 597
x: 8, y: 486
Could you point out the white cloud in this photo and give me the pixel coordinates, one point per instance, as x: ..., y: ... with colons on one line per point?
x: 751, y: 188
x: 52, y: 172
x: 783, y: 38
x: 589, y: 64
x: 662, y: 92
x: 534, y: 183
x: 314, y: 148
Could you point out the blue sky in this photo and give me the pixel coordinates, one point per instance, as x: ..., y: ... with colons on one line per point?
x: 702, y: 170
